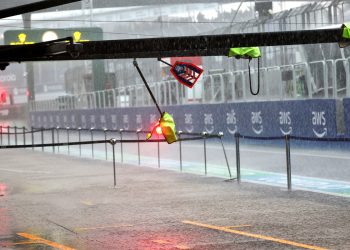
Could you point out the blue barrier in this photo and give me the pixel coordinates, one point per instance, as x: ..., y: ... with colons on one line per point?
x: 346, y: 104
x: 307, y: 118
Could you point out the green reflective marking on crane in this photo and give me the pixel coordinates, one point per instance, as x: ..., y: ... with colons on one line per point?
x: 346, y: 31
x: 245, y: 52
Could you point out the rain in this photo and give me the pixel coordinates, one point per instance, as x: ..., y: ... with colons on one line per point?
x: 185, y: 101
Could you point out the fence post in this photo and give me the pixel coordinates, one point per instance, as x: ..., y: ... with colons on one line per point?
x: 221, y: 134
x: 58, y: 138
x: 53, y: 140
x: 16, y: 135
x: 113, y: 142
x: 42, y: 138
x: 289, y: 167
x: 138, y: 145
x: 1, y: 135
x: 24, y: 135
x: 92, y: 139
x: 105, y: 131
x: 238, y: 158
x: 204, y: 134
x: 67, y: 128
x: 158, y: 145
x: 8, y: 135
x: 121, y: 145
x: 79, y: 138
x: 180, y: 148
x: 32, y: 132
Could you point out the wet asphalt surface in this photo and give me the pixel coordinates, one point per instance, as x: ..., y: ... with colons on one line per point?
x: 60, y: 202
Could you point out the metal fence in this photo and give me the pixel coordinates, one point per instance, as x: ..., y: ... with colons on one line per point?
x: 318, y: 79
x: 57, y: 139
x: 9, y: 140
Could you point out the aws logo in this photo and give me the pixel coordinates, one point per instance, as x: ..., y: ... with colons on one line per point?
x: 65, y: 121
x: 45, y: 121
x: 52, y: 124
x: 209, y: 123
x: 189, y: 123
x: 257, y: 122
x: 126, y: 122
x: 103, y: 121
x: 319, y: 122
x: 57, y: 120
x: 92, y: 121
x: 285, y: 122
x: 83, y: 121
x: 73, y: 121
x: 114, y: 121
x: 231, y: 122
x: 139, y: 121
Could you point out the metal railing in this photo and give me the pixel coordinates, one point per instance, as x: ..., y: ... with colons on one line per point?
x: 318, y: 79
x: 287, y: 139
x: 53, y: 138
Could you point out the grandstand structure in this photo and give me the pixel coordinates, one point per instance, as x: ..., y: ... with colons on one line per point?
x: 304, y: 89
x: 286, y: 72
x: 116, y: 23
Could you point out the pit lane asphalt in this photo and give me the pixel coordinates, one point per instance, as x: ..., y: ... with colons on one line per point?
x: 59, y: 202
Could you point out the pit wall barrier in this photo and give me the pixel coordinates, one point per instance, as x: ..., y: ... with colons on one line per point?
x: 308, y: 118
x: 346, y: 105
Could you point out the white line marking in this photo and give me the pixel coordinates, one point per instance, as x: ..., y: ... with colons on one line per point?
x: 281, y: 151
